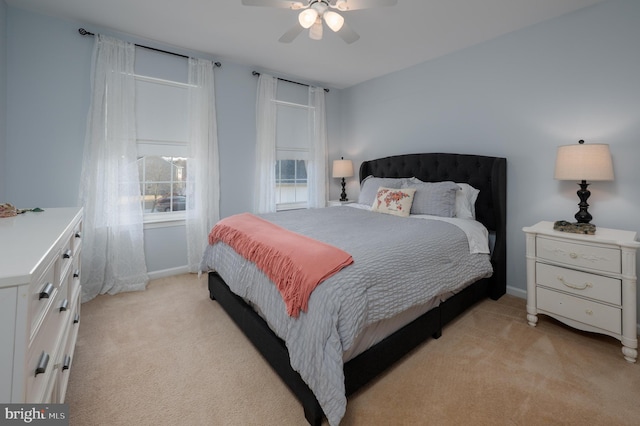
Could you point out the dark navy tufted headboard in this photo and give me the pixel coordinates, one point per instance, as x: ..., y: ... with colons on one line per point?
x: 488, y: 174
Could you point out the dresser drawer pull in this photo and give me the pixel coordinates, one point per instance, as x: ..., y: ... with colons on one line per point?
x: 76, y: 273
x: 589, y: 312
x: 42, y: 363
x: 78, y: 234
x: 64, y: 305
x: 67, y: 254
x: 67, y: 362
x: 46, y: 291
x: 76, y: 319
x: 573, y: 255
x: 574, y: 286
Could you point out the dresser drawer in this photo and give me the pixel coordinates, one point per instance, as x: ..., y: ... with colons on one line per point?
x: 65, y: 260
x: 42, y: 354
x: 41, y: 295
x: 587, y: 312
x: 66, y: 355
x: 593, y: 286
x: 76, y: 239
x: 579, y: 255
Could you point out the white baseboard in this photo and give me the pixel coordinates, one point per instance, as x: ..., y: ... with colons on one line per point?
x: 517, y: 292
x: 522, y: 294
x: 168, y: 272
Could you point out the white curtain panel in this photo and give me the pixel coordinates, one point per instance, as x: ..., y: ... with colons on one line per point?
x: 113, y: 247
x: 203, y: 176
x: 265, y: 178
x: 317, y: 166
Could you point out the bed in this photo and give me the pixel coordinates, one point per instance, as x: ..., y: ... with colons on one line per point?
x: 488, y: 175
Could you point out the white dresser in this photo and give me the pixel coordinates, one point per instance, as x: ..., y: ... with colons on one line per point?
x: 585, y: 281
x: 39, y: 303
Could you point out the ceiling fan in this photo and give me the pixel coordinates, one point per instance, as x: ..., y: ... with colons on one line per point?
x: 314, y: 12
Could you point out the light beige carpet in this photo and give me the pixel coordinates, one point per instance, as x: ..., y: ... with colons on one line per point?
x: 171, y: 356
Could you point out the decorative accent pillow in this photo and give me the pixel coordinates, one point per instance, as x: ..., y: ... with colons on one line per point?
x: 466, y: 201
x: 393, y: 201
x: 369, y: 187
x: 433, y: 198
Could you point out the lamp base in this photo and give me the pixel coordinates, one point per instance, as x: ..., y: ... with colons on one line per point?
x: 583, y: 215
x: 575, y: 228
x: 343, y: 195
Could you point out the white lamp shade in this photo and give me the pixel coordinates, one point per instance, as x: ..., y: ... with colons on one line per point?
x: 334, y: 20
x: 307, y: 17
x: 342, y: 168
x: 584, y: 162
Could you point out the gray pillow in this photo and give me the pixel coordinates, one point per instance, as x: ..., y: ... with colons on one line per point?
x: 369, y: 187
x: 434, y: 198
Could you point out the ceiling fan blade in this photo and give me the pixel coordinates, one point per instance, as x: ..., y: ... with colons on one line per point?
x: 347, y: 34
x: 283, y: 4
x: 290, y: 35
x: 366, y: 4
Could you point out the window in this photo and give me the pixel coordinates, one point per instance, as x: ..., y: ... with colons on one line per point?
x: 291, y: 183
x: 162, y: 132
x: 292, y: 146
x: 162, y: 183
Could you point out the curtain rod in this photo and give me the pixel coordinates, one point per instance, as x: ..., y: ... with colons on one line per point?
x: 84, y: 32
x: 288, y: 81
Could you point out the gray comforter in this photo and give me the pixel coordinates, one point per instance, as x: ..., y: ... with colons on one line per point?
x: 398, y: 263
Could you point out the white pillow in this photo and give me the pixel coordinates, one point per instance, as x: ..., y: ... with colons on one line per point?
x: 466, y: 201
x: 393, y: 201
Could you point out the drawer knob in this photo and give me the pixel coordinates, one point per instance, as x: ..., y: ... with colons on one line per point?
x: 42, y: 363
x: 573, y: 255
x: 76, y: 273
x: 76, y: 319
x: 78, y: 234
x: 67, y: 254
x: 46, y: 291
x: 574, y: 286
x: 64, y: 305
x: 67, y: 362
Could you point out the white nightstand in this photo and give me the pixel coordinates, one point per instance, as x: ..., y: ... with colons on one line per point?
x: 334, y: 203
x: 585, y: 281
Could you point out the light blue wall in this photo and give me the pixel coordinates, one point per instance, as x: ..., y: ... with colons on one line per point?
x: 520, y: 96
x: 49, y: 67
x: 3, y: 97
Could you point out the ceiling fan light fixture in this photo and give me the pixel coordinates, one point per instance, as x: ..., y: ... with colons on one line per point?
x: 308, y: 17
x: 334, y: 20
x: 315, y: 32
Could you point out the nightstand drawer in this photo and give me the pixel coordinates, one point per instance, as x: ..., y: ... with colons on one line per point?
x: 593, y: 286
x: 591, y: 313
x: 579, y: 255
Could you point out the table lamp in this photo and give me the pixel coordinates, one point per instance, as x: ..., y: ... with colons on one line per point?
x: 583, y: 162
x: 341, y: 169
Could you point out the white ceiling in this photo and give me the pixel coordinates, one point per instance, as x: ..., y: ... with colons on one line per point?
x: 391, y: 38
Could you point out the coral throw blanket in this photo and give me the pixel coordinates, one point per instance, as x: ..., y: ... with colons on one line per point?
x: 294, y: 262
